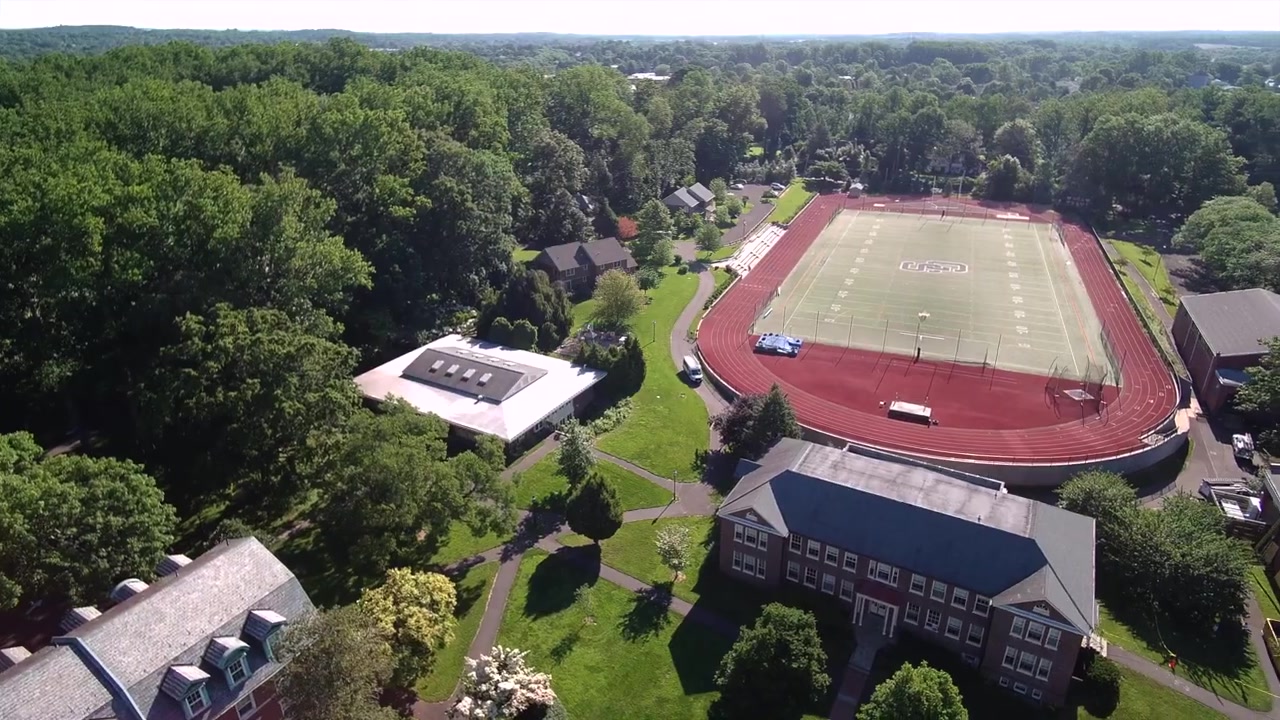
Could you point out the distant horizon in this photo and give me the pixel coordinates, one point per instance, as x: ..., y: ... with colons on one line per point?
x: 654, y: 18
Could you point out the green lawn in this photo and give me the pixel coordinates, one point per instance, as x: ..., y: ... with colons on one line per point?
x: 524, y: 255
x: 722, y: 279
x: 1140, y: 698
x: 723, y: 253
x: 462, y: 544
x: 1232, y: 672
x: 543, y: 481
x: 1150, y: 265
x: 473, y: 596
x: 1265, y: 592
x: 631, y: 550
x: 582, y: 312
x: 636, y: 661
x: 789, y: 204
x: 667, y: 427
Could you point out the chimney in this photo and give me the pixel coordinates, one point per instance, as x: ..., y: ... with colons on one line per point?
x: 77, y: 617
x: 127, y: 589
x: 171, y: 564
x: 11, y: 656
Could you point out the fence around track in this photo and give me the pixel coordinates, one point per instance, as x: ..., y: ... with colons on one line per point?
x: 1125, y: 434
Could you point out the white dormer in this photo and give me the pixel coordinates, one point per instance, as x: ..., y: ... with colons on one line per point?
x: 264, y: 627
x: 188, y: 685
x: 230, y: 655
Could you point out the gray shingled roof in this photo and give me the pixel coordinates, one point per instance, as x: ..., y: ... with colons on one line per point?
x: 955, y: 528
x: 473, y: 373
x: 681, y: 198
x: 169, y: 623
x: 701, y: 193
x: 1235, y: 322
x: 597, y: 252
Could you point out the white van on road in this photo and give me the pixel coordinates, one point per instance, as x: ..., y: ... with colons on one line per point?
x: 692, y: 369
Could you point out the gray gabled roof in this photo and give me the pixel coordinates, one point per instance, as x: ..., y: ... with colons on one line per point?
x: 472, y: 372
x: 168, y: 624
x: 594, y: 253
x: 1236, y: 322
x: 681, y: 198
x: 701, y: 193
x: 956, y: 528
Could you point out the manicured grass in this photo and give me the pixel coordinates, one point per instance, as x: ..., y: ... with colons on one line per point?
x: 1148, y: 315
x: 582, y: 312
x: 632, y: 551
x: 667, y: 428
x: 722, y: 279
x: 524, y: 255
x: 789, y: 204
x: 1265, y: 592
x: 636, y: 661
x: 462, y: 544
x: 724, y: 252
x: 1229, y: 670
x: 473, y: 595
x: 1140, y: 698
x: 543, y: 481
x: 1151, y: 266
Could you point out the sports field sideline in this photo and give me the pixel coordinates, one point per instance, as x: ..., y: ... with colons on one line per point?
x: 999, y: 292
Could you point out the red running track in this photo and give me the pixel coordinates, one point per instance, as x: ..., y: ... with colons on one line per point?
x: 844, y: 405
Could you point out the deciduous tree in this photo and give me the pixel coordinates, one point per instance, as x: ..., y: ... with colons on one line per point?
x: 915, y: 692
x: 339, y: 662
x: 708, y: 238
x: 754, y: 423
x: 674, y: 544
x: 653, y: 226
x: 776, y: 668
x: 414, y: 611
x: 618, y: 299
x: 575, y: 457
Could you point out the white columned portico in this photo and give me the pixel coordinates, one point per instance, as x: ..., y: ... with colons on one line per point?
x: 875, y: 611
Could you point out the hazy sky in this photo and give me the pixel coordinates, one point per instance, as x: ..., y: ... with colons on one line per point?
x: 653, y: 17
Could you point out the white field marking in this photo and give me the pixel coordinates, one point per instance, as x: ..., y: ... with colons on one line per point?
x: 823, y: 266
x: 922, y: 337
x: 1066, y: 335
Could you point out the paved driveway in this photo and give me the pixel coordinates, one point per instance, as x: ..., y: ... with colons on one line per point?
x: 746, y: 222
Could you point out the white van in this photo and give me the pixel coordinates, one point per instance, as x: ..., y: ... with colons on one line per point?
x: 692, y: 369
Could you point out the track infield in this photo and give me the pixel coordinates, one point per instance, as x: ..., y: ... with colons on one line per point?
x: 979, y: 291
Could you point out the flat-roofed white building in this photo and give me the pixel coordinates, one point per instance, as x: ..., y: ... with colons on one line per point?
x: 480, y: 388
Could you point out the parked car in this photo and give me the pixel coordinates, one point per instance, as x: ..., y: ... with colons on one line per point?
x: 779, y: 344
x: 737, y: 186
x: 777, y: 187
x: 1242, y: 447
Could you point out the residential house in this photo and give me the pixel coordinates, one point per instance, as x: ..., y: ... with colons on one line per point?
x: 695, y: 198
x: 199, y: 642
x: 1004, y: 582
x: 577, y: 265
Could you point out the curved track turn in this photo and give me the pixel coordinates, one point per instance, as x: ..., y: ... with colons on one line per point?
x: 1148, y: 398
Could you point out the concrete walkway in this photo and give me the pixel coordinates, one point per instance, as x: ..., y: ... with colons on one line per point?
x: 1163, y: 676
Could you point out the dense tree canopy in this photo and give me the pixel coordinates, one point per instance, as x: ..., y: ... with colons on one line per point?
x: 339, y: 662
x: 915, y: 692
x: 776, y: 668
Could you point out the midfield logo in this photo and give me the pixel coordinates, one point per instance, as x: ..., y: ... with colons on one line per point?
x: 933, y: 266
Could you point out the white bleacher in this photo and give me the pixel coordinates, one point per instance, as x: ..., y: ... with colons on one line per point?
x: 754, y: 248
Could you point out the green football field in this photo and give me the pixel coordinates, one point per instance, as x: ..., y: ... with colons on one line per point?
x: 999, y: 292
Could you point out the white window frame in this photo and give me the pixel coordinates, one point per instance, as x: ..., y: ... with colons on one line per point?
x: 762, y: 540
x: 1044, y: 668
x: 938, y: 592
x: 912, y: 614
x: 921, y: 580
x: 1004, y: 681
x: 959, y: 626
x: 983, y: 602
x: 1038, y: 629
x: 1030, y: 660
x: 813, y: 550
x: 737, y: 561
x: 960, y: 598
x: 891, y: 574
x: 1018, y: 627
x: 750, y: 537
x: 749, y: 569
x: 760, y: 568
x: 245, y: 712
x: 1010, y: 657
x: 828, y: 583
x: 241, y: 662
x: 932, y: 619
x: 846, y: 590
x: 1036, y: 694
x: 1020, y: 688
x: 831, y: 557
x: 975, y: 627
x: 793, y: 571
x: 850, y: 562
x: 738, y: 532
x: 796, y: 544
x: 807, y: 582
x: 1053, y: 638
x: 198, y: 694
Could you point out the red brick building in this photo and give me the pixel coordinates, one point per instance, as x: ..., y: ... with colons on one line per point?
x: 1004, y: 582
x: 198, y: 643
x: 1219, y: 335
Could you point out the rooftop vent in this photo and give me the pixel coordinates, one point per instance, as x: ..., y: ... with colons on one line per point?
x: 11, y: 656
x: 484, y: 379
x: 467, y: 375
x: 77, y: 617
x: 127, y: 589
x: 436, y: 365
x: 452, y: 369
x: 172, y: 564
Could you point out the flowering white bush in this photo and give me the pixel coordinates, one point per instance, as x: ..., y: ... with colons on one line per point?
x: 501, y: 686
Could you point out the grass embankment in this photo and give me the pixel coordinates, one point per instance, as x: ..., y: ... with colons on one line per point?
x: 667, y: 427
x: 789, y: 204
x: 543, y: 484
x: 1150, y: 266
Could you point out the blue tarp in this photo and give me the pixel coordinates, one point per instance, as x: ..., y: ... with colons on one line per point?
x: 1231, y: 378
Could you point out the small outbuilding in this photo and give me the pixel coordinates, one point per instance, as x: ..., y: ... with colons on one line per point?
x: 1219, y: 335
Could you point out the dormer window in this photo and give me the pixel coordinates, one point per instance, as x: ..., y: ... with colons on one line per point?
x: 195, y: 702
x: 238, y: 670
x: 230, y: 655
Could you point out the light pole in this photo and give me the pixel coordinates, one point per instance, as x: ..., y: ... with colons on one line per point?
x: 920, y: 318
x: 674, y: 495
x: 655, y: 331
